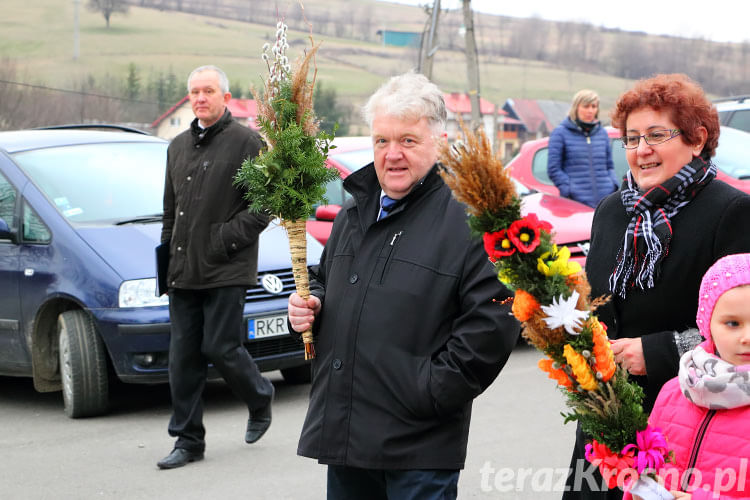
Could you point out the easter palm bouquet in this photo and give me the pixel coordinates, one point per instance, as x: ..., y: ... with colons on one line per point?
x: 288, y: 179
x: 551, y: 300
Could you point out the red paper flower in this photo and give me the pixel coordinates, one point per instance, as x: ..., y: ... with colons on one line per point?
x: 524, y: 233
x: 610, y: 464
x: 497, y: 245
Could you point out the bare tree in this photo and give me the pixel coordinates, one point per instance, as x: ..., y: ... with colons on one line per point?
x: 108, y: 7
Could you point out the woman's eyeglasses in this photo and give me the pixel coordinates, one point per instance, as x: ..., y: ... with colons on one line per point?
x: 652, y: 138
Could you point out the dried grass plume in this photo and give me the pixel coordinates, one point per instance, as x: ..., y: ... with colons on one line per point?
x: 475, y: 174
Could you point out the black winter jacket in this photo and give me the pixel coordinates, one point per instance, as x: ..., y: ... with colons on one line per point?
x: 408, y: 334
x: 213, y: 238
x: 715, y: 223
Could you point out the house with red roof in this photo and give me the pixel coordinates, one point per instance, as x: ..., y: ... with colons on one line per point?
x: 178, y: 117
x: 538, y: 117
x: 501, y: 129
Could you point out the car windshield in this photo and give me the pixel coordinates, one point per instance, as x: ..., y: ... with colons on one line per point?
x: 115, y: 182
x: 731, y: 155
x: 354, y: 160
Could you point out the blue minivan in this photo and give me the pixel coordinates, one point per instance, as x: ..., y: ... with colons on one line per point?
x: 80, y: 216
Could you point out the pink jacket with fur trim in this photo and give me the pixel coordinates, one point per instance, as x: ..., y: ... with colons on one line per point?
x: 714, y: 443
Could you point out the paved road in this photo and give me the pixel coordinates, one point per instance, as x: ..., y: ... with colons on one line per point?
x: 517, y: 439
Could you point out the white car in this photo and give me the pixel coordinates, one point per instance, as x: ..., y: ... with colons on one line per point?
x: 734, y: 112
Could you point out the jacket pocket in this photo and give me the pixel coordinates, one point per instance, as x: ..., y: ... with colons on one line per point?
x: 217, y: 251
x: 408, y: 380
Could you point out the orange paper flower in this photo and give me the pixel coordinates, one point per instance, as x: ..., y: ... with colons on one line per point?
x: 605, y: 359
x: 524, y: 305
x: 556, y: 374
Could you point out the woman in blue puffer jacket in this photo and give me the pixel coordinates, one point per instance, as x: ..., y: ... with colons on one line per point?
x: 580, y: 155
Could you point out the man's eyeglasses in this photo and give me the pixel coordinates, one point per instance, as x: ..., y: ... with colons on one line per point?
x: 652, y: 138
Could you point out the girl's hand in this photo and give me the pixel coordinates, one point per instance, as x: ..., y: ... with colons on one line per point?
x: 681, y: 495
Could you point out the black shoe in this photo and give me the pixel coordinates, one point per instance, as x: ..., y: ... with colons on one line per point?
x: 179, y: 457
x: 258, y: 423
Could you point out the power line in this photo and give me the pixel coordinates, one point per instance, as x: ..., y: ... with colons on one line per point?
x: 80, y: 92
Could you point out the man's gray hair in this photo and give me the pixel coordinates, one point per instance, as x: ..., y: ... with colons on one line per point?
x: 223, y: 80
x: 408, y: 96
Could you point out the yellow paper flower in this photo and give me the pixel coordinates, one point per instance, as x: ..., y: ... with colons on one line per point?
x: 580, y: 368
x: 560, y: 263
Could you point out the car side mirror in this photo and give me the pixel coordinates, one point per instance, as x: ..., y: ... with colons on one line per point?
x: 327, y: 212
x: 5, y: 232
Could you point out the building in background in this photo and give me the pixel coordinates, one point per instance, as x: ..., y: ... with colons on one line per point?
x: 538, y: 117
x: 501, y: 129
x: 178, y: 117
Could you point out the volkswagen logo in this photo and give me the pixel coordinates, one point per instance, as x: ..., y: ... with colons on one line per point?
x: 272, y: 284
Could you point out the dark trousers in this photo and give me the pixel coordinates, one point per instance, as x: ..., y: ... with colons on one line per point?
x: 206, y: 327
x: 346, y: 483
x: 584, y: 481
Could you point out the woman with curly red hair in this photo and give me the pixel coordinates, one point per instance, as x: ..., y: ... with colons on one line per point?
x: 652, y: 241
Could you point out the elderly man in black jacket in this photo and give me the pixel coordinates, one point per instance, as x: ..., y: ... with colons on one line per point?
x: 407, y: 333
x: 213, y: 249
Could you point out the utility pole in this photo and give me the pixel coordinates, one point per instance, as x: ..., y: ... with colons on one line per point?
x: 76, y: 44
x: 472, y: 65
x: 427, y: 52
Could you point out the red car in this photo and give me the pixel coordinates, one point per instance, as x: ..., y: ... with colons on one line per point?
x: 571, y: 220
x: 530, y: 165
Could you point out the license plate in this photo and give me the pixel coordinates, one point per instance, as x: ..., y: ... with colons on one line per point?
x: 269, y: 326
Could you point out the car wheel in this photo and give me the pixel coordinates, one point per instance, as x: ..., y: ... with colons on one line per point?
x: 83, y: 365
x: 298, y: 374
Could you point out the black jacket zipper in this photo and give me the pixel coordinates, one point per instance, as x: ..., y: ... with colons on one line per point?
x: 391, y: 245
x: 696, y: 448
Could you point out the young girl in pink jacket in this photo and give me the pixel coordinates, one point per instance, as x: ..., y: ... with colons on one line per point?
x: 705, y: 411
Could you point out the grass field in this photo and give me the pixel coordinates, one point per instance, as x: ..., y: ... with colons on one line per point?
x: 38, y: 36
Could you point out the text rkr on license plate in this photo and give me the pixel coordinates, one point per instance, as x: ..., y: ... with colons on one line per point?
x: 267, y: 326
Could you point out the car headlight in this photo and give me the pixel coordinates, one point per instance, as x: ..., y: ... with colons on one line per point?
x: 141, y: 293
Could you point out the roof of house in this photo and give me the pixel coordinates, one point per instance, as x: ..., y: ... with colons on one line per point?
x: 538, y: 113
x: 460, y: 103
x: 240, y: 108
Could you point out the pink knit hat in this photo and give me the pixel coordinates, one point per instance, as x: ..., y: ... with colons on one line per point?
x: 728, y: 272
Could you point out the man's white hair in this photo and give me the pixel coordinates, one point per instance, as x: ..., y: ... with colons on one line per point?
x: 223, y: 80
x: 408, y: 96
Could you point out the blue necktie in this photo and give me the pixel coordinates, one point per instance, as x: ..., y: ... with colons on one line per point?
x: 386, y: 204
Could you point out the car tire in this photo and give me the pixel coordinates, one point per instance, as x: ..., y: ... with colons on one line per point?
x: 298, y: 374
x: 83, y: 365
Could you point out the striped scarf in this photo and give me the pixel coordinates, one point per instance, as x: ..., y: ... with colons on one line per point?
x: 649, y: 231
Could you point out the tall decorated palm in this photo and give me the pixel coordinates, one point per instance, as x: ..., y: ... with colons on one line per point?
x: 288, y: 179
x: 552, y: 303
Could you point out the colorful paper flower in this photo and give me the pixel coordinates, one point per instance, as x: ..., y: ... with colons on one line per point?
x: 580, y: 368
x: 563, y: 312
x: 556, y: 374
x: 498, y: 245
x: 610, y: 463
x: 524, y: 233
x: 605, y: 359
x: 524, y: 305
x: 651, y: 447
x: 556, y: 262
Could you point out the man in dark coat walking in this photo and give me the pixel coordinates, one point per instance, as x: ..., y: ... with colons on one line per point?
x: 407, y: 333
x: 213, y: 254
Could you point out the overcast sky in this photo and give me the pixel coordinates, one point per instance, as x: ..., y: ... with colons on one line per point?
x: 717, y: 20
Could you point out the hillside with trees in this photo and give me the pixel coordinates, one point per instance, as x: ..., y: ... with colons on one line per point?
x: 134, y: 69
